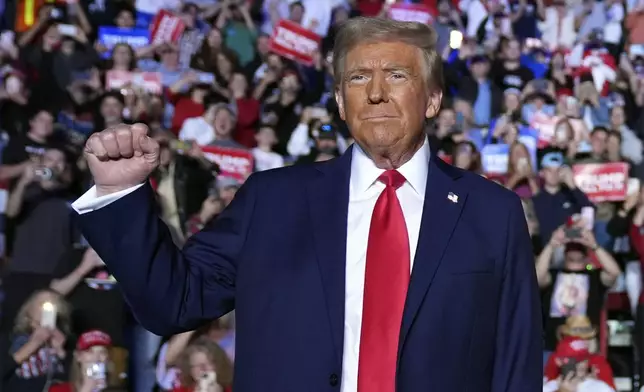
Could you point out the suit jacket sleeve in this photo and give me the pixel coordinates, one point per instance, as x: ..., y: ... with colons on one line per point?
x: 518, y: 358
x: 170, y: 290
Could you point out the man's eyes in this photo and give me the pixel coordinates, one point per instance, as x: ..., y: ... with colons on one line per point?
x: 359, y: 78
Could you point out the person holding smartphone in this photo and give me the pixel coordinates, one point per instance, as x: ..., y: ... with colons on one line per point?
x: 579, y: 369
x: 88, y: 371
x: 578, y: 287
x: 35, y: 352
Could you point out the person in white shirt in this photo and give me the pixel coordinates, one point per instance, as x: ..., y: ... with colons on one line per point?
x: 201, y: 129
x: 265, y: 157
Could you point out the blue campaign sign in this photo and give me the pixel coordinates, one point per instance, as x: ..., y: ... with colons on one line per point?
x: 530, y: 137
x: 494, y: 158
x: 110, y: 36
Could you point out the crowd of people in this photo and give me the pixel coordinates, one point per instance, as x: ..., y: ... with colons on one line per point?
x: 543, y: 97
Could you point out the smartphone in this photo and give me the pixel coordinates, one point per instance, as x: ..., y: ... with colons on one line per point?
x: 569, y: 367
x: 98, y: 371
x: 572, y: 232
x: 67, y: 30
x: 588, y: 216
x: 48, y: 315
x: 455, y: 39
x: 633, y: 186
x: 205, y: 77
x: 44, y: 173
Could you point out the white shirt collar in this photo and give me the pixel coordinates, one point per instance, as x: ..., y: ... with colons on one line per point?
x: 364, y: 172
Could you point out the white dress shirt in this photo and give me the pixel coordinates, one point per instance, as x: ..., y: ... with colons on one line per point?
x: 364, y: 190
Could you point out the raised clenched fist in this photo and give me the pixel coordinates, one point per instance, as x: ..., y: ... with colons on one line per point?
x: 121, y: 157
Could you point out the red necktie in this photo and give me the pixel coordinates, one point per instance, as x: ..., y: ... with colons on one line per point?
x: 385, y: 289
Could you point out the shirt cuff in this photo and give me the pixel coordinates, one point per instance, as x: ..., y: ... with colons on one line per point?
x: 91, y: 202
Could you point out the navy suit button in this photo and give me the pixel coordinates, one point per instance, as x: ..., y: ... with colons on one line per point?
x: 333, y: 380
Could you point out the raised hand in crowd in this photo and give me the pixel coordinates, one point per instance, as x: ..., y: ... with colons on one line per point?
x: 57, y: 341
x: 28, y: 175
x: 90, y: 260
x: 38, y: 338
x: 566, y: 177
x: 121, y: 157
x: 569, y: 383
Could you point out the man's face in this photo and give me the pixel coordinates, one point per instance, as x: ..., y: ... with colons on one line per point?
x: 54, y: 160
x: 384, y: 97
x: 263, y: 45
x: 513, y: 50
x: 617, y: 117
x: 223, y: 122
x: 42, y: 124
x: 290, y: 83
x: 480, y: 69
x: 598, y: 142
x: 446, y: 119
x: 52, y: 36
x: 296, y: 13
x: 575, y: 260
x: 512, y: 102
x: 111, y: 110
x: 125, y: 19
x: 613, y: 144
x: 550, y: 176
x: 170, y: 56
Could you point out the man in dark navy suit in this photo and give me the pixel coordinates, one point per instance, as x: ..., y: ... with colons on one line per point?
x: 382, y: 270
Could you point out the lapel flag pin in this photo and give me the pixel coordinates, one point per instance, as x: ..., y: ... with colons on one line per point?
x: 452, y: 197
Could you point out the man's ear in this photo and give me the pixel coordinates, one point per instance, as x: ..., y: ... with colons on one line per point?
x: 434, y: 104
x: 340, y: 100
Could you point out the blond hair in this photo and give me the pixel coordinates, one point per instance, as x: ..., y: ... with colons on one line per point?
x: 357, y: 31
x: 23, y: 320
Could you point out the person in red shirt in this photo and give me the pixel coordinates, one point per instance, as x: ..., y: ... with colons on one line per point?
x: 187, y: 105
x: 247, y: 111
x: 205, y: 367
x: 578, y: 348
x: 88, y: 372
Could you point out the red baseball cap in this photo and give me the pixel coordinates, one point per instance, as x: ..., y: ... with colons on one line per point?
x: 93, y: 338
x: 573, y: 347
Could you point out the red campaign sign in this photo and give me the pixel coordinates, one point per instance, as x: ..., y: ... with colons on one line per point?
x: 147, y: 81
x: 166, y: 28
x: 545, y: 125
x: 294, y: 42
x: 403, y: 12
x: 232, y: 162
x: 602, y: 181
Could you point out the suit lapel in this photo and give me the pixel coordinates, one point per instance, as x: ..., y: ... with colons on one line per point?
x: 444, y: 201
x: 328, y: 195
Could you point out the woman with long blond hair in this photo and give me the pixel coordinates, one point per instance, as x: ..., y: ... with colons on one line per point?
x: 35, y: 354
x: 521, y: 176
x: 88, y: 372
x: 205, y: 367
